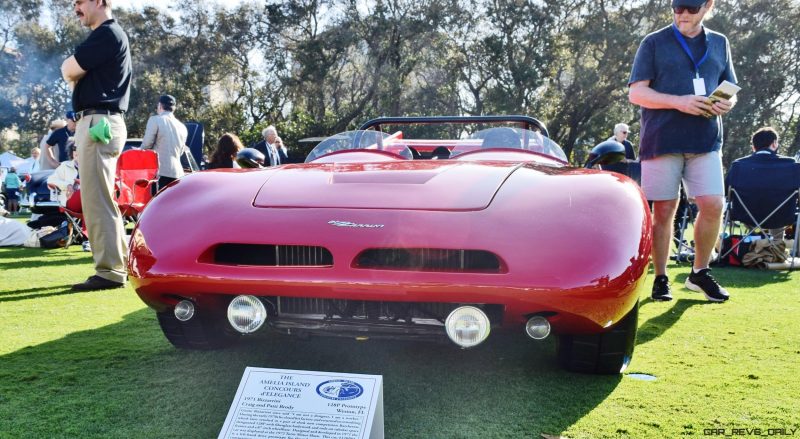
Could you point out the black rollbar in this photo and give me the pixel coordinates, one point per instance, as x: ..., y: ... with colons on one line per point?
x: 525, y: 121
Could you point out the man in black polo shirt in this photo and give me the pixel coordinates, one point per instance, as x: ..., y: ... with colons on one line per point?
x: 99, y: 74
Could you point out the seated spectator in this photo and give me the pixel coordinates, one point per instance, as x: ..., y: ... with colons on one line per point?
x: 65, y: 178
x: 225, y: 155
x: 12, y: 183
x: 765, y: 155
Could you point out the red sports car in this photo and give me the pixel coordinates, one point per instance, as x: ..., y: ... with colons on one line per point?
x: 424, y: 232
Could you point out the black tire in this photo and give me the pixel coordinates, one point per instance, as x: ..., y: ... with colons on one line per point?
x: 606, y: 353
x: 197, y: 333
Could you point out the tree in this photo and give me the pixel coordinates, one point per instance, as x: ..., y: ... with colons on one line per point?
x: 766, y: 55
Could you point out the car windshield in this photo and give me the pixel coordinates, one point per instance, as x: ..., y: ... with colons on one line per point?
x: 360, y: 140
x: 510, y: 138
x: 438, y: 146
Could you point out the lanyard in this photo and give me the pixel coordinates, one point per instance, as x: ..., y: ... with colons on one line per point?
x: 685, y: 46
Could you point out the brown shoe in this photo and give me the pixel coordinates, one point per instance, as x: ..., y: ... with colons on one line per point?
x: 97, y: 283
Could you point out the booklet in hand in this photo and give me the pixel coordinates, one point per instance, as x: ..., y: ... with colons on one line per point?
x: 726, y: 90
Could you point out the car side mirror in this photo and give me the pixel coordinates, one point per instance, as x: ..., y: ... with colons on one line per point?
x: 606, y: 153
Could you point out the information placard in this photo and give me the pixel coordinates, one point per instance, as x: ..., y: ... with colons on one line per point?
x: 282, y: 404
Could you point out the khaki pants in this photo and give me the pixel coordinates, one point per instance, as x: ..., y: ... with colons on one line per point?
x: 97, y: 165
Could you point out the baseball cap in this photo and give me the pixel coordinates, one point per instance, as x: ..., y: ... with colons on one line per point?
x: 692, y: 3
x: 167, y: 101
x: 70, y: 115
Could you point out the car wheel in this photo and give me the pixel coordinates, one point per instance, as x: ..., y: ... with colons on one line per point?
x: 606, y: 353
x: 197, y: 333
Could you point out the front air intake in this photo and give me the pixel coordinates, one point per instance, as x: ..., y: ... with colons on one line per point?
x: 272, y: 255
x: 429, y: 259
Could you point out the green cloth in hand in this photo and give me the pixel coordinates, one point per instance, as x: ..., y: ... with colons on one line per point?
x: 101, y: 132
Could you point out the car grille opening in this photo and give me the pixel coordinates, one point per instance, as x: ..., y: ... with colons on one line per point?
x: 429, y: 259
x: 272, y: 255
x: 314, y: 308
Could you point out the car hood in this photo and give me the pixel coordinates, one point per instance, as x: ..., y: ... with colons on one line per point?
x: 431, y: 185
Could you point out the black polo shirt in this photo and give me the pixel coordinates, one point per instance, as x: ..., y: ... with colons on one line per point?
x: 106, y: 57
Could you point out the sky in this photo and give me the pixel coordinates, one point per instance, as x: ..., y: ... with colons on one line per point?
x: 138, y: 4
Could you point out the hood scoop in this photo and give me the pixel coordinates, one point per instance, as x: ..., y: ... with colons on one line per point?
x: 429, y: 185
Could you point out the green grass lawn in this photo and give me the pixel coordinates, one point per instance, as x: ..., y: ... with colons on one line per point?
x: 96, y: 365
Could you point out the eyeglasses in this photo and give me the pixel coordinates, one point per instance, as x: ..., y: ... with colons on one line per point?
x: 690, y: 9
x: 624, y: 132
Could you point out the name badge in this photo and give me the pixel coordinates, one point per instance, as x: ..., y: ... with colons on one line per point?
x: 699, y: 86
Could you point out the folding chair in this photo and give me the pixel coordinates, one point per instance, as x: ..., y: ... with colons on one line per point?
x: 136, y: 172
x: 763, y: 195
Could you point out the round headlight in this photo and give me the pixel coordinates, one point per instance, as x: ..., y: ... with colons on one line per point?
x: 537, y: 328
x: 246, y: 314
x: 184, y: 310
x: 467, y: 326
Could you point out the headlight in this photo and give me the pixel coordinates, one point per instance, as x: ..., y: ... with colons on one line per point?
x: 246, y: 314
x: 467, y: 326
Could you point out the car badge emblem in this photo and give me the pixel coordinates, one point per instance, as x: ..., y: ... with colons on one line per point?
x: 354, y: 225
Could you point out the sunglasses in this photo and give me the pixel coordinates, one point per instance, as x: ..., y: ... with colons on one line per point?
x: 690, y: 9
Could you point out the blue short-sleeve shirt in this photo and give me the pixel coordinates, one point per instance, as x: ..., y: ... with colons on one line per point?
x: 60, y: 138
x: 662, y: 60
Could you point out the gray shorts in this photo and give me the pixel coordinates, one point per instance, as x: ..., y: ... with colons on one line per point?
x: 701, y: 175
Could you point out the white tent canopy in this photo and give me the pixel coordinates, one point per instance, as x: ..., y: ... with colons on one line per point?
x: 25, y: 166
x: 9, y: 159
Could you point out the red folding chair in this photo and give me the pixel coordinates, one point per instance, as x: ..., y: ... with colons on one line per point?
x: 136, y: 173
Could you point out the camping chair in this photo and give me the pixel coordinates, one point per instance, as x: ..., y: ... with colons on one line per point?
x: 762, y: 196
x: 74, y: 214
x: 45, y: 203
x: 136, y: 172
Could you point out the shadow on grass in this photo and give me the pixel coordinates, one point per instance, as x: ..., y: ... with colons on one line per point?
x: 18, y: 295
x: 739, y: 277
x: 36, y: 258
x: 125, y: 380
x: 658, y: 325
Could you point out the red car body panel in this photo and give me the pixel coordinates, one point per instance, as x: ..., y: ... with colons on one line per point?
x: 572, y: 243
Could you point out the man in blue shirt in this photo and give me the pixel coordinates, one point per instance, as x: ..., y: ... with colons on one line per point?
x: 57, y: 150
x: 674, y: 71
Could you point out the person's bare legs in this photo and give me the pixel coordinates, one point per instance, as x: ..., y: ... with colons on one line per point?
x: 706, y: 231
x: 663, y: 219
x: 706, y: 228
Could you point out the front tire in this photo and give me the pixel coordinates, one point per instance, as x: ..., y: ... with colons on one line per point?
x: 197, y: 333
x: 606, y: 353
